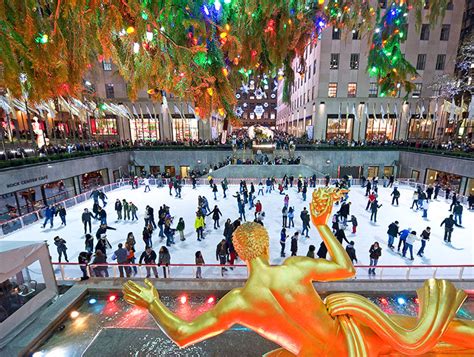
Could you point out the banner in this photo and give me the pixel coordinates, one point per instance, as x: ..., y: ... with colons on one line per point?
x: 309, y: 132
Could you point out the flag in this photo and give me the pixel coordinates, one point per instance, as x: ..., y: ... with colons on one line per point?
x: 148, y: 111
x: 382, y: 111
x: 176, y: 110
x: 354, y: 112
x: 436, y: 110
x: 347, y: 110
x: 452, y: 109
x: 471, y: 109
x: 366, y: 111
x: 134, y: 110
x: 422, y: 110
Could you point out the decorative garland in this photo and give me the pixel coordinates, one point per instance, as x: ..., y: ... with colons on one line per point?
x: 200, y: 50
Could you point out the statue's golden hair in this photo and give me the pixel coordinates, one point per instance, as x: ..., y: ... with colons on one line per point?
x: 251, y: 241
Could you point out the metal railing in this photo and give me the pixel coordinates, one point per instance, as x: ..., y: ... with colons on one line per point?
x: 20, y: 222
x: 72, y: 271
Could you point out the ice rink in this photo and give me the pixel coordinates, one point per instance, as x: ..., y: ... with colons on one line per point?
x: 460, y: 251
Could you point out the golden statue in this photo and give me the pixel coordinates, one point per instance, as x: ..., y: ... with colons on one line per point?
x: 281, y: 304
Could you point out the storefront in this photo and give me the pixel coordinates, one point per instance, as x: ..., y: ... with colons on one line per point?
x: 354, y: 171
x: 372, y: 171
x: 381, y: 129
x: 101, y: 127
x: 34, y: 198
x: 339, y: 127
x: 185, y: 128
x: 421, y: 128
x: 469, y: 187
x: 445, y: 179
x: 388, y: 171
x: 145, y: 128
x: 91, y: 180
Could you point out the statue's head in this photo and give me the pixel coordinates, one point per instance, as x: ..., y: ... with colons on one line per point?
x: 251, y: 241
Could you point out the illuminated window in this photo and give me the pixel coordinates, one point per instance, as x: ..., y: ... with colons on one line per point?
x: 332, y: 90
x: 352, y: 89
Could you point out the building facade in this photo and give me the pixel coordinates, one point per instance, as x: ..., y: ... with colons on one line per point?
x: 257, y: 102
x: 336, y: 99
x: 171, y: 119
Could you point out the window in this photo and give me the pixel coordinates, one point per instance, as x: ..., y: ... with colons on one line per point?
x: 445, y: 33
x: 336, y: 33
x: 355, y: 35
x: 334, y: 64
x: 379, y: 128
x: 440, y: 62
x: 449, y: 6
x: 373, y: 90
x: 417, y: 91
x: 314, y: 67
x: 383, y: 4
x: 332, y: 90
x: 420, y: 63
x: 351, y: 89
x: 107, y: 65
x: 425, y: 32
x: 309, y: 72
x: 427, y: 4
x: 354, y: 61
x: 109, y: 90
x: 339, y: 127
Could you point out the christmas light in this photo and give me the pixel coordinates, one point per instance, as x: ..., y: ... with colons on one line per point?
x: 227, y: 2
x: 401, y: 301
x: 217, y: 5
x: 74, y: 314
x: 211, y: 300
x: 112, y: 298
x: 149, y: 35
x: 92, y: 301
x: 136, y: 47
x: 210, y: 91
x: 130, y: 30
x: 183, y: 299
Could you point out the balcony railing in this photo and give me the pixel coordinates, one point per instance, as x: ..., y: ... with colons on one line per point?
x: 72, y: 271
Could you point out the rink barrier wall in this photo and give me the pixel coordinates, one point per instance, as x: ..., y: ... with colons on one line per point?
x: 20, y: 222
x: 71, y: 271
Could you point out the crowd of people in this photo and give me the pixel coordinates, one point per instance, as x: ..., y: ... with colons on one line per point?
x: 97, y: 252
x: 238, y: 139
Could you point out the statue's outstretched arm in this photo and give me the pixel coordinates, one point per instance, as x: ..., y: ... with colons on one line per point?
x: 321, y: 269
x: 184, y: 333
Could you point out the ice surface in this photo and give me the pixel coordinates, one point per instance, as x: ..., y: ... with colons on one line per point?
x: 436, y: 252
